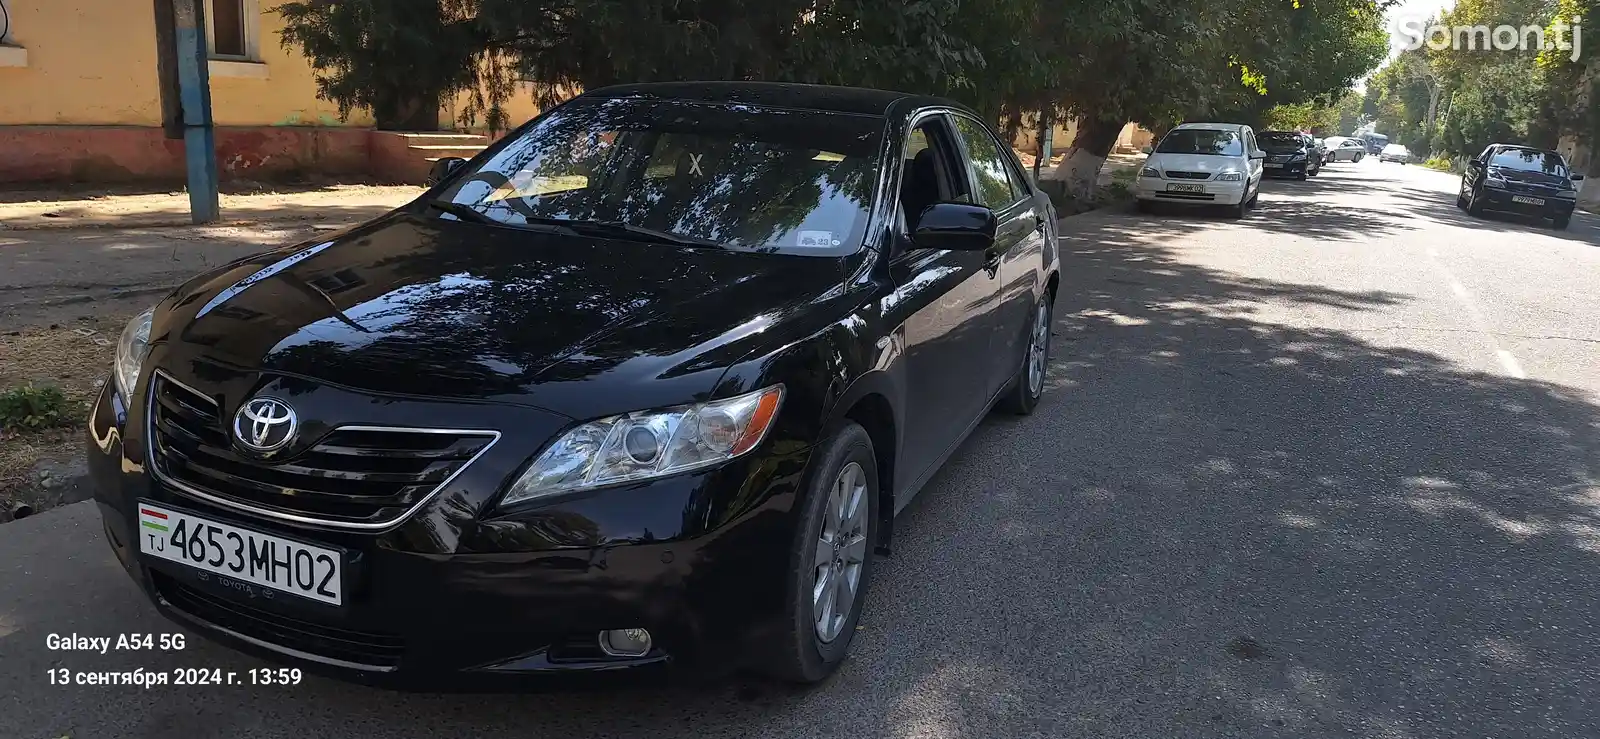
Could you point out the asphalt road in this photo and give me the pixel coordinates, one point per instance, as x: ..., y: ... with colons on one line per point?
x: 1328, y: 471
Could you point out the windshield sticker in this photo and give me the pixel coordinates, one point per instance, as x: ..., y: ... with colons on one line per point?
x: 694, y: 165
x: 817, y: 238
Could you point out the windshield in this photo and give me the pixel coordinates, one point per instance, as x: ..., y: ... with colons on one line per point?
x: 1280, y: 141
x: 1201, y: 141
x: 1530, y: 160
x: 1395, y: 149
x: 739, y: 176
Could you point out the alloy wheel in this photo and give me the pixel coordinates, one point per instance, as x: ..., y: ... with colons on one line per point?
x: 841, y: 553
x: 1039, y: 349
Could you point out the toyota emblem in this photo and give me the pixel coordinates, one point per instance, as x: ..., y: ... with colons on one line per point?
x: 265, y: 425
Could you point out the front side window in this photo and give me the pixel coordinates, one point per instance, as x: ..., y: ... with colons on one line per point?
x: 1202, y: 141
x: 739, y: 177
x: 995, y: 189
x: 1530, y: 160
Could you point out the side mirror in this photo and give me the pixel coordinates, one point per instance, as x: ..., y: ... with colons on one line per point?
x: 1477, y: 161
x: 956, y: 227
x: 442, y: 168
x: 1146, y: 149
x: 1577, y: 177
x: 1258, y: 155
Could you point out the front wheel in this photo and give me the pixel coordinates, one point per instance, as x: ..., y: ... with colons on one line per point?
x: 830, y: 560
x: 1560, y: 223
x: 1028, y: 386
x: 1474, y: 207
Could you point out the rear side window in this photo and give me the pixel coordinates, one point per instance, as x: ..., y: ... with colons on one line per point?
x: 996, y: 189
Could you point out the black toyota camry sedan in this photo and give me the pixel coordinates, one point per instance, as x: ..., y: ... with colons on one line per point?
x: 643, y: 385
x: 1522, y: 180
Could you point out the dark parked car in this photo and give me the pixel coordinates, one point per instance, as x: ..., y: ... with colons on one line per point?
x: 1520, y: 179
x: 644, y: 383
x: 1289, y: 154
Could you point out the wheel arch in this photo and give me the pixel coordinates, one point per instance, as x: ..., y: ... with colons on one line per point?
x: 870, y: 402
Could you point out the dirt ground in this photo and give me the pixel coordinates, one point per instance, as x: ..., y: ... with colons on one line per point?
x: 241, y: 203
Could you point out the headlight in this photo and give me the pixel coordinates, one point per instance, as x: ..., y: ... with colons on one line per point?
x: 131, y: 351
x: 1493, y: 182
x: 1149, y: 172
x: 1297, y: 158
x: 639, y: 446
x: 1230, y: 177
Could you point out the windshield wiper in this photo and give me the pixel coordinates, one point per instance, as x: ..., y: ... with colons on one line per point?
x: 625, y: 230
x: 464, y: 212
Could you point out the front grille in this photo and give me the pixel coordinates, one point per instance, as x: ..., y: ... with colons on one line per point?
x: 1186, y: 195
x: 358, y: 648
x: 1177, y: 175
x: 358, y: 475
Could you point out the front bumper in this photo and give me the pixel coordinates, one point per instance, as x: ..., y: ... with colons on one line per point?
x: 1215, y: 192
x: 454, y: 601
x: 1285, y: 169
x: 1499, y: 199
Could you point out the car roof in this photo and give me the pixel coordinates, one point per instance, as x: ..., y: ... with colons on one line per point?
x: 827, y: 98
x: 1225, y: 126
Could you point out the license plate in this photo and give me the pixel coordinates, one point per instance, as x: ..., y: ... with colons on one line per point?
x: 1273, y: 165
x: 1526, y: 199
x: 1186, y: 188
x: 269, y: 561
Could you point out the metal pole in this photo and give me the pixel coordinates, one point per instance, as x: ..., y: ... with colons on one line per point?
x: 194, y: 94
x: 1046, y: 133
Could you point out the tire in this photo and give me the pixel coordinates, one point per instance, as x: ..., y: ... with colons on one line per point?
x: 1560, y: 223
x: 1235, y: 212
x: 1358, y: 158
x: 800, y: 654
x: 1026, y: 388
x: 1144, y: 206
x: 1461, y: 200
x: 1253, y: 197
x: 1474, y: 208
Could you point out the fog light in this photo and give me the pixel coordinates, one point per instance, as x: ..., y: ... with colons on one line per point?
x: 625, y: 642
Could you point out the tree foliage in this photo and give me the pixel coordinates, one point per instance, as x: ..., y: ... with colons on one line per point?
x: 1151, y: 61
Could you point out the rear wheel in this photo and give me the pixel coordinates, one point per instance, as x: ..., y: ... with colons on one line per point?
x: 830, y: 560
x: 1028, y: 386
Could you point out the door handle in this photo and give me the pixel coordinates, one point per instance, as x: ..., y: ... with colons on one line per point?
x: 992, y: 260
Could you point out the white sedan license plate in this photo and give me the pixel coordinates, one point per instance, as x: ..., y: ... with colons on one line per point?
x: 1186, y: 188
x: 1273, y: 165
x: 251, y: 556
x: 1525, y: 199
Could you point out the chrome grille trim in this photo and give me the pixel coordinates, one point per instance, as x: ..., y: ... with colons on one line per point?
x: 152, y: 462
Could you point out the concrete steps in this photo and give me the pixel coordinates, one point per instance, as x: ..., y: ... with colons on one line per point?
x: 406, y: 157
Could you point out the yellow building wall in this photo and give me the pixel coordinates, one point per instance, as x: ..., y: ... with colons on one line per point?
x: 88, y: 62
x: 287, y: 97
x: 93, y: 62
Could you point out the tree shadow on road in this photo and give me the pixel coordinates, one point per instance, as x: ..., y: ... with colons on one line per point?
x: 1219, y: 526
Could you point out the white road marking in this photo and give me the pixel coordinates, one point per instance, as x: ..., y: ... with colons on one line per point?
x: 1508, y: 361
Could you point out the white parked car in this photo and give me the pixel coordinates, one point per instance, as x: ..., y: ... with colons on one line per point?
x: 1395, y: 153
x: 1203, y: 164
x: 1344, y: 149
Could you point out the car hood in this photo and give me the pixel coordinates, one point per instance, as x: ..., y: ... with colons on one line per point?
x: 1526, y: 177
x: 1194, y: 162
x: 446, y: 309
